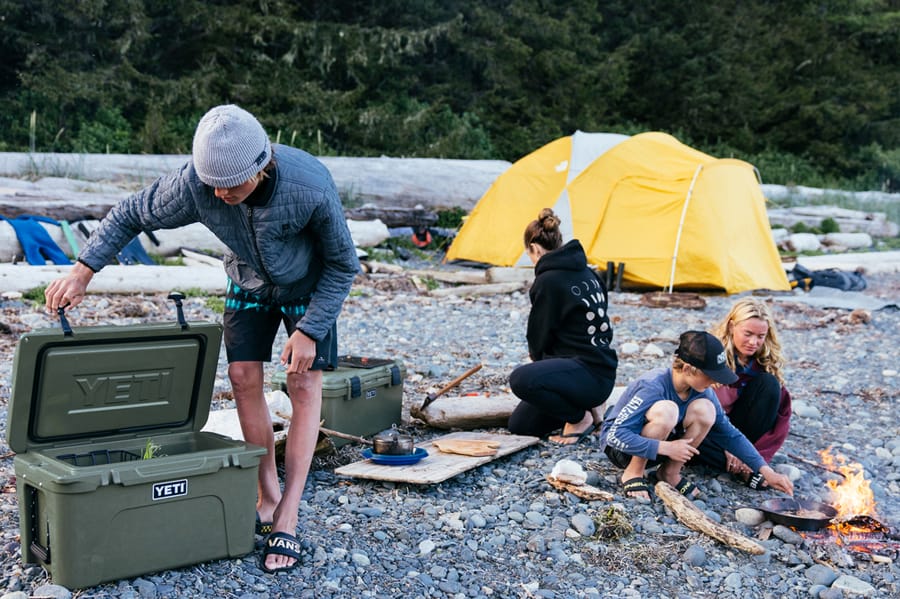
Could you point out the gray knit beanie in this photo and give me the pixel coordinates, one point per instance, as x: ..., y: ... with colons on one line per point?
x: 230, y: 146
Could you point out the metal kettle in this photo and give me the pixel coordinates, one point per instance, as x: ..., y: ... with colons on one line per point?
x: 392, y: 442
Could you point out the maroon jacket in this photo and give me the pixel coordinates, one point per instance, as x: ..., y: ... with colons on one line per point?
x: 770, y: 442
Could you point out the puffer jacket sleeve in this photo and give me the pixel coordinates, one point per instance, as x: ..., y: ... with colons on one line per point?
x: 339, y: 269
x: 167, y: 203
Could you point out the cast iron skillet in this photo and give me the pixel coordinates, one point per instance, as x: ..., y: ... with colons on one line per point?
x: 784, y: 511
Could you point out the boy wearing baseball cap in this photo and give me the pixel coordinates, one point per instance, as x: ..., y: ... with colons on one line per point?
x: 664, y: 415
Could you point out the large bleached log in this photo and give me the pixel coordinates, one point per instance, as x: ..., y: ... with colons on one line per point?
x: 472, y: 290
x: 849, y: 221
x: 57, y: 197
x: 402, y: 182
x: 367, y: 233
x: 11, y: 249
x: 393, y: 216
x: 691, y: 516
x: 470, y: 277
x: 195, y: 236
x: 120, y: 279
x: 169, y: 242
x: 868, y: 262
x: 506, y: 274
x: 467, y: 412
x: 60, y: 208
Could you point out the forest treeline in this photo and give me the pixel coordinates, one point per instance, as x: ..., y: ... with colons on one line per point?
x: 807, y: 90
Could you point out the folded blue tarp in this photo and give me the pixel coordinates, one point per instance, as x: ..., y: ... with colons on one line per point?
x: 36, y: 243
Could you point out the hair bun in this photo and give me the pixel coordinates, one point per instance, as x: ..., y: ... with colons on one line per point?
x: 549, y: 220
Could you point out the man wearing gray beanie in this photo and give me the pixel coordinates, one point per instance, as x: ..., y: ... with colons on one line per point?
x: 291, y: 260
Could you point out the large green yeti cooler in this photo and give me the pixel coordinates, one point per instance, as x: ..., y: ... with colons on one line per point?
x: 86, y: 405
x: 362, y: 396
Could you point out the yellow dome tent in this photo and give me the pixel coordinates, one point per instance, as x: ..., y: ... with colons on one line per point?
x: 676, y: 217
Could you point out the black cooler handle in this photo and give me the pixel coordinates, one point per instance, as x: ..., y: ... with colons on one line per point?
x: 177, y: 297
x: 42, y: 553
x: 63, y: 322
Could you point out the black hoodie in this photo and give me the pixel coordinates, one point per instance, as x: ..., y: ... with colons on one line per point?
x: 568, y: 316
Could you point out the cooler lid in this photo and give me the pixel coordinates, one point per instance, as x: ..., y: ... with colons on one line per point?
x: 111, y: 381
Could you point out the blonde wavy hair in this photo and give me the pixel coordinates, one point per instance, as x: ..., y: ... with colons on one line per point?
x: 768, y: 356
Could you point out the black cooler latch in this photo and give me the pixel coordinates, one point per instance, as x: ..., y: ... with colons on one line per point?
x: 395, y: 375
x: 177, y: 297
x: 355, y: 386
x: 63, y: 322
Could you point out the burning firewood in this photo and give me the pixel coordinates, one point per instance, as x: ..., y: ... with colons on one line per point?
x: 691, y: 516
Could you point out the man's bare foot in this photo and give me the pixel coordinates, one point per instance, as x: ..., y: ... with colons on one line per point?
x: 281, y: 553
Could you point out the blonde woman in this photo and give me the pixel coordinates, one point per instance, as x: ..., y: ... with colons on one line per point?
x: 757, y: 403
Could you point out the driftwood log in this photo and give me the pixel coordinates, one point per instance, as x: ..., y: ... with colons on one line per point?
x: 467, y: 412
x: 587, y: 492
x: 120, y: 279
x: 691, y: 516
x: 467, y: 276
x: 168, y: 242
x: 56, y: 202
x: 849, y: 221
x: 404, y: 182
x: 473, y: 290
x: 662, y: 299
x: 395, y: 216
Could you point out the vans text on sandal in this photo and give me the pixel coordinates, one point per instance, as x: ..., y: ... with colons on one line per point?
x: 280, y: 543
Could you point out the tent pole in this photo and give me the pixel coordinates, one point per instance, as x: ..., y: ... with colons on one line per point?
x: 687, y: 200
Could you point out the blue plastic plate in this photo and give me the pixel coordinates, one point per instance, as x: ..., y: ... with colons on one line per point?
x: 395, y: 460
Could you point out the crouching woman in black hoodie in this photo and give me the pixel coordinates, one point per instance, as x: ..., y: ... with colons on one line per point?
x: 573, y: 368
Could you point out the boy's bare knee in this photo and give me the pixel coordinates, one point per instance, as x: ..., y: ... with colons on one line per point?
x: 701, y: 412
x: 661, y: 419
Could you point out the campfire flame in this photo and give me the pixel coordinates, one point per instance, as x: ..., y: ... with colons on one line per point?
x: 852, y: 496
x: 856, y: 526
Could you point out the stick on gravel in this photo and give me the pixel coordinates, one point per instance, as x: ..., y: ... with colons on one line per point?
x: 691, y: 516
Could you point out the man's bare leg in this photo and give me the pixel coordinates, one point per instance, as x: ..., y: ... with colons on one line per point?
x: 305, y: 391
x: 256, y: 425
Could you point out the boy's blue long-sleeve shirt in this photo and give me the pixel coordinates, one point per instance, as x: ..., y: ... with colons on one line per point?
x: 623, y: 424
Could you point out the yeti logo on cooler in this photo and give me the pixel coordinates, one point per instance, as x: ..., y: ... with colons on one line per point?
x: 371, y: 393
x: 135, y: 387
x: 170, y: 489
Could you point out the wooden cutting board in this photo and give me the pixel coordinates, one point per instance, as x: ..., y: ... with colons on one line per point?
x: 469, y: 447
x: 438, y: 466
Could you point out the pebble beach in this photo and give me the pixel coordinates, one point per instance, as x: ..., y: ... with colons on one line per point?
x: 500, y: 530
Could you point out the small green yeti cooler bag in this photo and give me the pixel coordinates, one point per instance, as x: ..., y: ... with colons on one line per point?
x: 362, y: 396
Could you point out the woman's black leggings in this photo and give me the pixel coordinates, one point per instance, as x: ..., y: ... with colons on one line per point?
x: 753, y: 414
x: 554, y: 391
